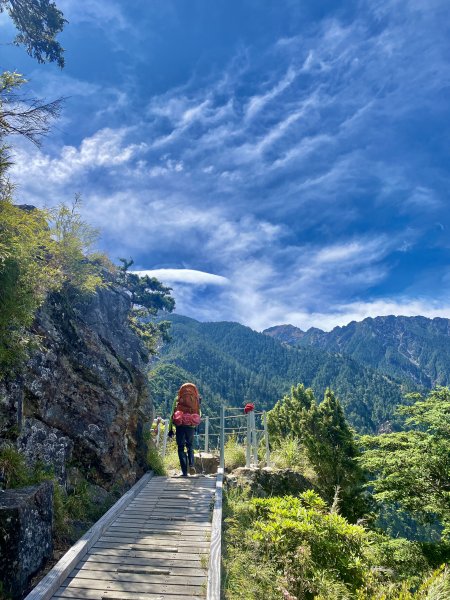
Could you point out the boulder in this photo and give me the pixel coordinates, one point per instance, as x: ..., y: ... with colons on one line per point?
x: 206, y: 463
x: 26, y: 520
x: 269, y: 482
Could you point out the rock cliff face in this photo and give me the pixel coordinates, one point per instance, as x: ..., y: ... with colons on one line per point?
x: 82, y: 401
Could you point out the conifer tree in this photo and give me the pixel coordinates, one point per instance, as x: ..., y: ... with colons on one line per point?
x: 411, y: 468
x: 324, y: 433
x: 332, y: 451
x: 287, y: 415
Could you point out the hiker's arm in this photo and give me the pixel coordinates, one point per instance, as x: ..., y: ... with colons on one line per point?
x: 171, y: 417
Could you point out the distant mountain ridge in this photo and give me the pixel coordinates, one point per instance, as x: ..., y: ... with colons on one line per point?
x: 234, y: 364
x: 415, y: 350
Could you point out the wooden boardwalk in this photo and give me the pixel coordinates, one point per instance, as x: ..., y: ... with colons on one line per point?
x: 157, y: 548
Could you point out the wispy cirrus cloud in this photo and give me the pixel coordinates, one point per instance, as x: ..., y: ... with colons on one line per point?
x: 311, y: 173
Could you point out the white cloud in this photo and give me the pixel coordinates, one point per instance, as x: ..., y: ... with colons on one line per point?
x: 187, y: 276
x: 339, y: 253
x: 105, y: 149
x: 257, y: 103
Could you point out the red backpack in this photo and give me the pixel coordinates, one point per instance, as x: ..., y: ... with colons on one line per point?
x: 187, y: 410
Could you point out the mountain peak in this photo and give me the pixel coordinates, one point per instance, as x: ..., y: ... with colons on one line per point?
x: 288, y: 334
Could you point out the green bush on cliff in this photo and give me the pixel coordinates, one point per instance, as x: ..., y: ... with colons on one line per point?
x: 26, y: 275
x: 40, y: 251
x: 295, y: 547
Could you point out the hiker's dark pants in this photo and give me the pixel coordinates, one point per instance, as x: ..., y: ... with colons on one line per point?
x: 185, y: 437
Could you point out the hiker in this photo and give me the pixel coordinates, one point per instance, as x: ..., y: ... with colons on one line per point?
x: 186, y: 416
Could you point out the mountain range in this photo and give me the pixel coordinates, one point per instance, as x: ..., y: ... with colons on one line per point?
x: 370, y: 365
x: 414, y: 350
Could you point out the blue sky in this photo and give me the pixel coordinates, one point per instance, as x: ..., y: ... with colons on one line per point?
x: 274, y: 161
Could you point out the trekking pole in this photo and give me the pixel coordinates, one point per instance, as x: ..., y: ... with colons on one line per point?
x: 222, y: 437
x: 247, y: 456
x: 266, y: 438
x: 206, y: 434
x: 166, y: 433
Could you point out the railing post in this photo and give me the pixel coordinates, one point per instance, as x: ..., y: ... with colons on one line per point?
x: 255, y: 440
x: 266, y: 438
x: 222, y: 437
x: 248, y: 449
x: 206, y: 434
x: 166, y: 433
x: 158, y: 433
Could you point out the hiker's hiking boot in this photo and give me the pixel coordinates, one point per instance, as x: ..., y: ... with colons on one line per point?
x: 192, y: 470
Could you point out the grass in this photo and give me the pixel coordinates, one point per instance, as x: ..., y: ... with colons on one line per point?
x: 235, y: 454
x: 155, y: 461
x: 13, y: 468
x: 171, y: 461
x: 289, y: 454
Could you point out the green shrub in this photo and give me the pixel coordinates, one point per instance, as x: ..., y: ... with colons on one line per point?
x: 294, y: 547
x: 309, y: 544
x: 245, y: 576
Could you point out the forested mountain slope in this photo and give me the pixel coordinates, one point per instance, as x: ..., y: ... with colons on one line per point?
x: 412, y: 349
x: 235, y: 364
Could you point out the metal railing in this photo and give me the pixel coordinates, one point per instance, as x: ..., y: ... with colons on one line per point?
x: 248, y: 429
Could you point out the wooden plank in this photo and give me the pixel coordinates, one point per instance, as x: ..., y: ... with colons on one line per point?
x: 154, y: 535
x: 190, y: 560
x: 155, y: 541
x: 134, y: 546
x: 149, y: 555
x: 214, y: 571
x: 120, y: 564
x: 148, y: 506
x: 128, y: 586
x: 155, y: 526
x: 169, y: 508
x: 143, y: 552
x: 148, y: 531
x: 174, y: 537
x: 109, y: 576
x: 85, y: 594
x: 53, y: 580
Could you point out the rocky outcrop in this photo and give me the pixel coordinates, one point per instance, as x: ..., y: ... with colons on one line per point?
x: 268, y: 482
x: 26, y: 517
x: 82, y: 400
x: 206, y: 463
